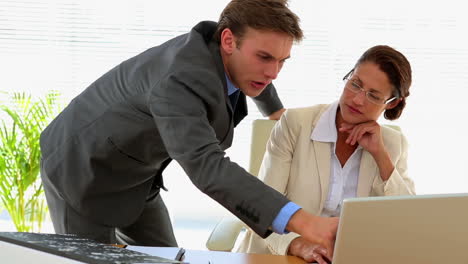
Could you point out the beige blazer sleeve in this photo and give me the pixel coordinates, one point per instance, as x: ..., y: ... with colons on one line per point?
x: 399, y: 182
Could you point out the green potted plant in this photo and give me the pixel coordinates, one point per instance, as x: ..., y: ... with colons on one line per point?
x: 21, y: 192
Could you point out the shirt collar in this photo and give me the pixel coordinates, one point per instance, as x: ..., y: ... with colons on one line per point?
x: 325, y: 130
x: 230, y: 86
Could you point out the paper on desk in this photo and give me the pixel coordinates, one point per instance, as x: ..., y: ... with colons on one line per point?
x: 168, y: 253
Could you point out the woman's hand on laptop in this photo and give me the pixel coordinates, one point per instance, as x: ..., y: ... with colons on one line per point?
x: 310, y: 252
x: 315, y: 229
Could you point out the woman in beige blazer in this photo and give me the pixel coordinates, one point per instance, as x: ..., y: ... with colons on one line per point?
x: 319, y: 155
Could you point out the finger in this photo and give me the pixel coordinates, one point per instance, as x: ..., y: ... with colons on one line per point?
x: 346, y: 127
x: 320, y: 250
x: 329, y: 252
x: 319, y: 259
x: 323, y: 254
x: 374, y: 130
x: 352, y: 135
x: 371, y: 127
x: 328, y: 249
x: 335, y: 222
x: 361, y: 133
x: 328, y: 236
x: 308, y: 257
x: 309, y: 254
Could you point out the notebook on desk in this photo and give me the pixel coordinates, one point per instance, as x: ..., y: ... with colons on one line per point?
x: 17, y: 247
x: 403, y: 229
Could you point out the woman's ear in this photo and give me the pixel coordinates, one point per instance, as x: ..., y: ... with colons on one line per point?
x: 393, y: 104
x: 228, y: 41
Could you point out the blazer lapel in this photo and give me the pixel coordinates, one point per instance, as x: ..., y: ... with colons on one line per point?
x: 367, y: 173
x: 322, y: 158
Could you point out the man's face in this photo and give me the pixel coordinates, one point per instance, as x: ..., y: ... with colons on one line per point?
x: 252, y: 62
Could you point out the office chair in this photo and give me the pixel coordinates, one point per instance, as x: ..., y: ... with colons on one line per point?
x: 224, y: 235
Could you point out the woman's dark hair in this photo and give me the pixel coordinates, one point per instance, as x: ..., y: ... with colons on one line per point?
x: 398, y: 70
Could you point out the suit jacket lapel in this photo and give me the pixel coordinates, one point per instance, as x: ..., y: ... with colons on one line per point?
x: 322, y: 158
x: 228, y: 126
x: 367, y: 173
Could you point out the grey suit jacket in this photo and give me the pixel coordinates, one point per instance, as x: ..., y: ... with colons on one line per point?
x: 105, y: 153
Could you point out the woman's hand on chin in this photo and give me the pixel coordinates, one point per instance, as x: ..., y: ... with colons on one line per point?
x: 367, y: 134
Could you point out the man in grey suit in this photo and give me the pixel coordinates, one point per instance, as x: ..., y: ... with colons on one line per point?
x: 104, y: 155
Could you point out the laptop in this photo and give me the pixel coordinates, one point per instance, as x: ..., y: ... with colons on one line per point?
x: 403, y: 229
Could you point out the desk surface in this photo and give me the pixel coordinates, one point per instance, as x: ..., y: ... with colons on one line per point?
x: 218, y: 257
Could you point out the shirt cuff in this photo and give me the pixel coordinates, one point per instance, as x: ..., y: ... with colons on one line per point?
x: 282, y: 219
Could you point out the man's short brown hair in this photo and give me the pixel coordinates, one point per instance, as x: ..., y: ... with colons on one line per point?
x: 273, y: 15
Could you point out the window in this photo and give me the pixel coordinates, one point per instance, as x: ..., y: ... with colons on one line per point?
x: 67, y: 44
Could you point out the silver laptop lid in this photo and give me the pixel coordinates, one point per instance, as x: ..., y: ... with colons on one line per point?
x: 403, y: 229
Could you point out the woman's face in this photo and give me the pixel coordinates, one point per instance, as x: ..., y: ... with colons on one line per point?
x: 355, y: 107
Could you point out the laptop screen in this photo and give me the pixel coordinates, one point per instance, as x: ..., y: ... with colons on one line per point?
x: 403, y: 229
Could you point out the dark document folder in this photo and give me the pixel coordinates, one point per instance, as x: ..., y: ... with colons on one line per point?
x: 80, y: 249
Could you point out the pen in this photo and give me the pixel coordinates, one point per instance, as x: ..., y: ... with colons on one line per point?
x: 180, y: 254
x: 119, y: 245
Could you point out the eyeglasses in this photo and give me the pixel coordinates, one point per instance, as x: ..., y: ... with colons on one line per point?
x: 372, y: 97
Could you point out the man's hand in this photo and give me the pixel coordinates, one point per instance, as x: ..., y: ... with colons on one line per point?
x: 309, y: 252
x: 315, y: 229
x: 276, y: 115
